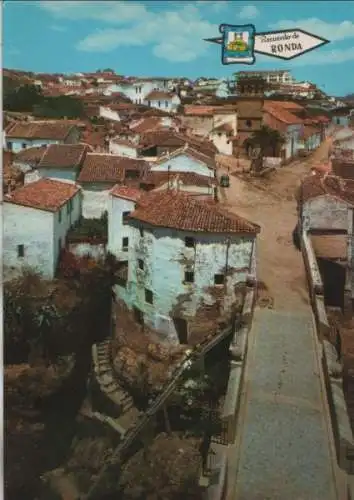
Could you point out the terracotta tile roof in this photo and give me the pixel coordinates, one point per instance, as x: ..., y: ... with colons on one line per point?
x: 31, y: 156
x: 126, y: 192
x: 63, y: 156
x: 57, y: 130
x: 109, y: 168
x: 146, y: 124
x: 207, y: 159
x: 44, y: 194
x: 181, y: 211
x: 282, y: 114
x: 156, y: 179
x: 156, y: 95
x: 289, y: 105
x: 313, y: 186
x: 198, y: 110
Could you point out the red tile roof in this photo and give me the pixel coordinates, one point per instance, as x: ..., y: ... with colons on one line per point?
x: 207, y: 159
x: 181, y: 211
x: 31, y: 156
x: 126, y: 192
x: 317, y: 185
x: 55, y: 130
x: 289, y: 105
x: 156, y: 179
x: 44, y: 194
x: 156, y: 95
x: 198, y: 110
x: 146, y: 124
x: 282, y: 114
x: 109, y: 168
x: 63, y: 156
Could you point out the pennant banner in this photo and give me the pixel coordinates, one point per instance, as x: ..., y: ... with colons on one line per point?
x: 240, y: 43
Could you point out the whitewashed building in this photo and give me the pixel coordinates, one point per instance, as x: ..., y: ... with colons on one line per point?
x: 186, y: 159
x: 37, y: 218
x: 137, y: 89
x: 123, y: 147
x: 62, y: 161
x: 22, y: 135
x: 178, y: 256
x: 167, y: 101
x: 100, y: 173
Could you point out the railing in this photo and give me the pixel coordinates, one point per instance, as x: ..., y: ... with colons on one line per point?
x: 198, y: 352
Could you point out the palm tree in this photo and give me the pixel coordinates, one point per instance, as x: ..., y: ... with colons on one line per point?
x: 265, y: 140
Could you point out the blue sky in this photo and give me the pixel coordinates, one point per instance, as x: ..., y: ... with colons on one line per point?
x: 165, y: 38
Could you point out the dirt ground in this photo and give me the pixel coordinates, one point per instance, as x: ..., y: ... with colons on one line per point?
x: 270, y: 202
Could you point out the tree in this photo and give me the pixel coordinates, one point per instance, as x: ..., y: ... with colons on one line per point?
x: 22, y: 98
x: 63, y: 106
x: 267, y: 140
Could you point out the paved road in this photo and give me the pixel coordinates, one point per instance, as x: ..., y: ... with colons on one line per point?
x: 284, y: 451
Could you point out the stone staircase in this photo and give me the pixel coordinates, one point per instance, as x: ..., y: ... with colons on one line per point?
x: 101, y: 356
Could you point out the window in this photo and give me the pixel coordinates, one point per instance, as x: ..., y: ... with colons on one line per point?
x: 189, y: 277
x: 125, y: 244
x: 219, y: 279
x: 71, y: 205
x: 141, y: 231
x: 248, y: 123
x: 9, y: 146
x: 59, y: 216
x: 141, y: 264
x: 20, y: 250
x: 136, y: 90
x: 149, y: 298
x: 24, y: 145
x: 124, y: 215
x: 166, y: 104
x: 149, y: 103
x: 159, y: 104
x: 189, y: 242
x: 59, y: 246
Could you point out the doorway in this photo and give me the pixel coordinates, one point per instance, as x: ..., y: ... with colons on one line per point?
x: 333, y: 277
x: 181, y: 326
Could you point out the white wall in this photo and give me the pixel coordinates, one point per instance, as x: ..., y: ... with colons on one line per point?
x: 222, y: 142
x: 67, y: 220
x: 116, y: 229
x: 188, y: 188
x: 324, y: 212
x: 17, y: 144
x: 69, y: 174
x: 109, y: 114
x: 122, y: 150
x: 33, y: 229
x: 183, y: 163
x: 82, y: 249
x: 165, y: 255
x: 94, y: 202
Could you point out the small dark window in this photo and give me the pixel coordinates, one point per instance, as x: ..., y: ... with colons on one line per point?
x: 20, y: 250
x: 149, y: 298
x: 141, y: 264
x: 125, y: 244
x: 24, y: 145
x: 159, y: 104
x: 141, y: 231
x: 71, y: 204
x: 9, y: 146
x: 189, y: 277
x: 248, y: 123
x: 189, y: 242
x: 125, y: 214
x: 219, y: 134
x: 219, y: 279
x: 59, y: 216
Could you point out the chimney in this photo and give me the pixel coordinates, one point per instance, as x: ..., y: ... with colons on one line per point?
x: 216, y: 197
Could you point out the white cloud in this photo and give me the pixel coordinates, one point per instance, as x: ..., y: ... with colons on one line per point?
x: 331, y: 32
x: 248, y: 12
x: 335, y: 56
x: 176, y: 35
